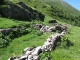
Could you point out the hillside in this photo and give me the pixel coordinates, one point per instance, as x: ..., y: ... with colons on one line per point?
x: 29, y: 24
x: 20, y: 11
x: 57, y: 9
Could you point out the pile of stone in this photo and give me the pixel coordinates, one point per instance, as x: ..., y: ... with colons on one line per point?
x: 54, y: 28
x: 6, y: 31
x: 9, y: 30
x: 33, y: 53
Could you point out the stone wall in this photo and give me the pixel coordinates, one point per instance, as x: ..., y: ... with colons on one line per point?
x: 33, y: 53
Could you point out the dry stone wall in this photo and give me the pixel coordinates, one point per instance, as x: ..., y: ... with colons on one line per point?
x: 33, y: 53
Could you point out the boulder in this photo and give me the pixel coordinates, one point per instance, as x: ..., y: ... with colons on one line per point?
x: 51, y: 29
x: 30, y: 57
x: 12, y: 58
x: 23, y: 57
x: 37, y: 51
x: 28, y: 52
x: 52, y: 21
x: 37, y: 26
x: 60, y: 27
x: 36, y: 57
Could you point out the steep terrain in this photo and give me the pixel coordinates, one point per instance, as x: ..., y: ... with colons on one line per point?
x: 57, y: 9
x: 20, y: 11
x: 19, y: 19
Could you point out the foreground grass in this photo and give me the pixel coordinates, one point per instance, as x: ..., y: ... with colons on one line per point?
x: 17, y: 45
x: 33, y: 39
x: 73, y: 52
x: 70, y: 53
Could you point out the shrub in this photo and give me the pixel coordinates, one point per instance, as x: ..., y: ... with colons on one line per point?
x: 39, y: 33
x: 45, y: 56
x: 44, y: 6
x: 3, y: 43
x: 4, y: 40
x: 65, y: 43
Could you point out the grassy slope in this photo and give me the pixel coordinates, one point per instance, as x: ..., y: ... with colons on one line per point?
x: 70, y: 53
x: 60, y: 11
x: 73, y: 52
x: 32, y: 39
x: 8, y: 23
x: 61, y: 5
x: 18, y: 44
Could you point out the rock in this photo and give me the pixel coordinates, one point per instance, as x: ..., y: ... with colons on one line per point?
x: 12, y: 58
x: 6, y: 31
x: 16, y: 59
x: 23, y: 57
x: 21, y: 11
x: 51, y: 29
x: 30, y: 57
x: 52, y: 21
x: 28, y: 52
x: 60, y: 27
x: 37, y: 26
x: 49, y: 44
x: 28, y: 49
x: 36, y: 57
x: 37, y: 51
x: 43, y: 29
x: 63, y: 33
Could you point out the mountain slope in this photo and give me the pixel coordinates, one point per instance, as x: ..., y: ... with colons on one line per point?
x: 57, y: 9
x: 35, y: 38
x: 62, y: 5
x: 20, y: 11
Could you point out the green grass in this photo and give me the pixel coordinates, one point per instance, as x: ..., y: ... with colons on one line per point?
x: 32, y: 39
x: 70, y: 53
x: 57, y: 9
x: 17, y: 45
x: 8, y: 23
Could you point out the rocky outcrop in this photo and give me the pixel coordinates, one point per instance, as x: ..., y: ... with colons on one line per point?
x: 21, y: 11
x: 7, y: 31
x: 56, y: 27
x: 33, y: 53
x: 52, y: 21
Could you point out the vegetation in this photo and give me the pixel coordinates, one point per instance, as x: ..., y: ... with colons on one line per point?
x: 27, y: 36
x: 64, y: 52
x: 62, y: 12
x: 17, y: 45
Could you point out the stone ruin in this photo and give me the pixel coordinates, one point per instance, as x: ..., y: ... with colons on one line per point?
x: 33, y: 53
x: 54, y: 28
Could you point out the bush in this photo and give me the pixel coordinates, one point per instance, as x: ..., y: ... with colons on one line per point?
x: 46, y: 56
x: 65, y: 43
x: 44, y: 6
x: 4, y: 40
x: 3, y: 43
x: 39, y: 33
